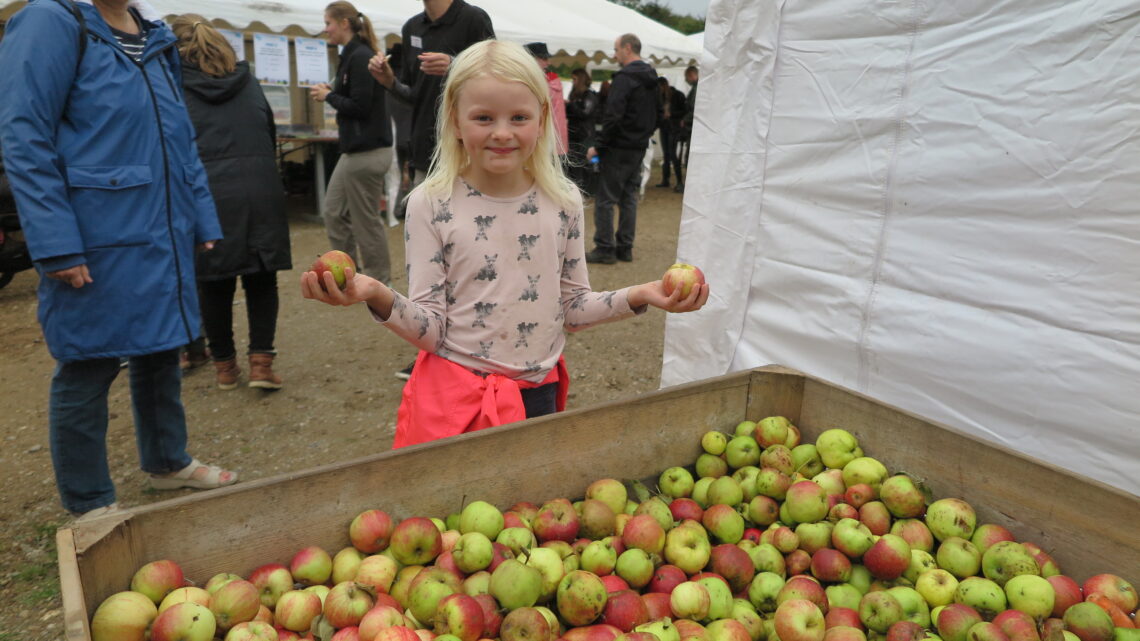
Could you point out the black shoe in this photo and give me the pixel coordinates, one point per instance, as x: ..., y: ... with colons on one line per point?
x: 624, y: 255
x: 680, y: 188
x: 664, y: 184
x: 599, y: 256
x: 406, y: 373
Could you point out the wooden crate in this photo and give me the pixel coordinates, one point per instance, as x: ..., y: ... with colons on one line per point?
x: 1087, y: 526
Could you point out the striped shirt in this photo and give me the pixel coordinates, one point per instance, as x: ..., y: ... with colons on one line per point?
x: 132, y: 43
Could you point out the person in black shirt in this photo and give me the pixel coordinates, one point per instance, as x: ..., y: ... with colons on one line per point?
x: 352, y: 203
x: 431, y: 39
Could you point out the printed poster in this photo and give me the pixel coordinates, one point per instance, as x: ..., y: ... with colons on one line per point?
x: 280, y: 102
x: 271, y: 53
x: 312, y: 58
x: 236, y: 40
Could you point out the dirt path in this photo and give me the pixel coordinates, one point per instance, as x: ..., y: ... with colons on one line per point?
x: 339, y: 401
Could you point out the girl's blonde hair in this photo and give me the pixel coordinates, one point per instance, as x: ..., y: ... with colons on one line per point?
x: 358, y: 22
x: 508, y: 62
x: 203, y: 46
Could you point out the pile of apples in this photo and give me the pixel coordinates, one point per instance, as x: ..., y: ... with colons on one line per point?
x: 761, y: 539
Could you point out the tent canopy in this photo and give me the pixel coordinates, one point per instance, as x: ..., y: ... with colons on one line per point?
x: 588, y: 27
x: 931, y: 203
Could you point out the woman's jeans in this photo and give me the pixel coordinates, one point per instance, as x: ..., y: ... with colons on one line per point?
x: 216, y: 300
x: 78, y: 424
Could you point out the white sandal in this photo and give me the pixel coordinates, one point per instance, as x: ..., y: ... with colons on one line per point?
x: 185, y: 478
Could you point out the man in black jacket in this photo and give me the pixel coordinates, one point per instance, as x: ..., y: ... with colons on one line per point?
x: 431, y: 39
x: 631, y: 114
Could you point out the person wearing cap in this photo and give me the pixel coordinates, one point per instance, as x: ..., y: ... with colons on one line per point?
x: 557, y: 100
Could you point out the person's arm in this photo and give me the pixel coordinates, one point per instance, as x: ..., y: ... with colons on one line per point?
x: 35, y: 81
x: 418, y: 318
x: 361, y: 90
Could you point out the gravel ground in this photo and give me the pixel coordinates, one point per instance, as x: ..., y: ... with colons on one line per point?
x: 340, y: 396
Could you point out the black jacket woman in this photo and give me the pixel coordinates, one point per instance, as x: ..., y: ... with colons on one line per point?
x: 352, y: 202
x: 236, y: 140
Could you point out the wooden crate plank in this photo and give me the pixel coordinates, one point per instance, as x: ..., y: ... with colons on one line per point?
x: 236, y: 529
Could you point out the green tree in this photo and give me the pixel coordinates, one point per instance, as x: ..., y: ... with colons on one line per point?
x: 654, y: 10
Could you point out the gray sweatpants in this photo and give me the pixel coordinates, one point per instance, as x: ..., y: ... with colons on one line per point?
x: 352, y: 210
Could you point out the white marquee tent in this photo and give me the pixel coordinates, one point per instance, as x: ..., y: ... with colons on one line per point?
x: 932, y: 203
x: 587, y: 26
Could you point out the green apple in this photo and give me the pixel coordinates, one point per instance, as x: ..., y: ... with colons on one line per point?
x: 865, y: 470
x: 1031, y: 594
x: 1006, y: 559
x: 676, y: 482
x: 981, y: 594
x: 742, y: 451
x: 715, y: 442
x: 764, y: 589
x: 937, y: 586
x: 951, y: 517
x: 837, y: 448
x: 959, y: 557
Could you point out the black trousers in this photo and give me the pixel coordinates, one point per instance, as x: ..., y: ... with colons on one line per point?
x: 618, y: 185
x: 216, y: 299
x: 541, y: 400
x: 669, y: 140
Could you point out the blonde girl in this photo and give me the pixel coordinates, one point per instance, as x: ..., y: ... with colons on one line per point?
x: 497, y: 270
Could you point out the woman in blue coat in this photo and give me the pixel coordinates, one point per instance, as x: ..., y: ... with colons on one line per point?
x: 114, y: 203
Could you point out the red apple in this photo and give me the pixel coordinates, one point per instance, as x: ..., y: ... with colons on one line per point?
x: 1067, y: 592
x: 235, y: 602
x: 416, y: 541
x: 686, y: 508
x: 370, y: 531
x: 335, y: 262
x: 665, y: 578
x: 625, y: 610
x: 614, y: 583
x: 460, y: 615
x: 157, y: 579
x: 840, y: 617
x: 1114, y: 588
x: 346, y: 604
x: 799, y: 620
x: 184, y: 622
x: 658, y: 605
x: 272, y: 580
x: 311, y: 566
x: 556, y: 520
x: 526, y: 624
x: 734, y: 564
x: 888, y: 557
x: 492, y: 617
x: 682, y: 275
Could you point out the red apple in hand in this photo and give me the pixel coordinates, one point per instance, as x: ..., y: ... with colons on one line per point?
x: 334, y: 261
x: 684, y: 276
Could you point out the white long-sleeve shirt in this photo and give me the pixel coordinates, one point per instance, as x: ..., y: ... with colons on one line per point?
x: 493, y: 282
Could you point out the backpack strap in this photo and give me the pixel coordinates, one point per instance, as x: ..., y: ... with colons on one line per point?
x: 74, y: 9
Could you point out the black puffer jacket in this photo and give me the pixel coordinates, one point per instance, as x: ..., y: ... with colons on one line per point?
x: 237, y: 144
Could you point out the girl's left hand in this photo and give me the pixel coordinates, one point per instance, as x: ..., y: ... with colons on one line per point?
x: 654, y: 294
x: 320, y: 92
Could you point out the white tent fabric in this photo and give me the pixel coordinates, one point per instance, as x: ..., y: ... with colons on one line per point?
x: 934, y: 204
x: 589, y: 26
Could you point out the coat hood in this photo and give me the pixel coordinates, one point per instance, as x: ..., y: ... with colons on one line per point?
x: 213, y: 89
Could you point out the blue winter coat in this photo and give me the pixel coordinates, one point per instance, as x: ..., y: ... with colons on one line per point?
x: 104, y: 169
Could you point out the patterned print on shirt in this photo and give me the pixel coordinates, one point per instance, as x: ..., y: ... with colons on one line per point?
x: 471, y: 191
x: 443, y: 214
x: 483, y: 223
x: 531, y: 292
x: 575, y: 230
x: 443, y: 255
x: 609, y: 299
x: 568, y: 266
x: 484, y: 352
x: 531, y: 367
x: 488, y: 272
x: 525, y: 330
x: 423, y: 325
x: 563, y: 222
x: 482, y: 312
x: 526, y: 243
x: 530, y: 206
x: 449, y: 291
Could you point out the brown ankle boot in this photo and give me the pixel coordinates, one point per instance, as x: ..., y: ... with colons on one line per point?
x: 227, y: 373
x: 261, y: 372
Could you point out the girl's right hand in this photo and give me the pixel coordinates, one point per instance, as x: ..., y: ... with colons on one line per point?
x: 358, y: 288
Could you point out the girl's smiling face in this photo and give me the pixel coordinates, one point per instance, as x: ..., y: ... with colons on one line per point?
x: 499, y: 123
